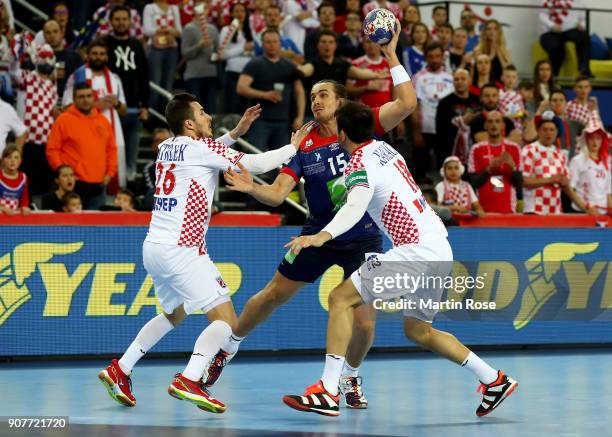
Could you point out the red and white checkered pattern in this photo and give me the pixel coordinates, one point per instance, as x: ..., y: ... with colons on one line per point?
x: 102, y: 16
x: 222, y: 150
x: 578, y: 112
x: 10, y: 203
x: 14, y: 192
x: 398, y: 223
x: 510, y: 102
x: 195, y: 218
x: 540, y: 162
x: 458, y: 194
x: 40, y: 100
x: 165, y: 20
x: 355, y: 163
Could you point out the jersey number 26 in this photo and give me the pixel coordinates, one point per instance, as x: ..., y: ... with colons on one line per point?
x: 165, y: 180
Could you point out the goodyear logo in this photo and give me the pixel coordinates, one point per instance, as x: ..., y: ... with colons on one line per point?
x: 60, y: 285
x: 527, y: 287
x: 543, y: 272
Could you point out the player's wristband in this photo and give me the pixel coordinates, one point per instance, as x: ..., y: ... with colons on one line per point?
x: 226, y: 139
x: 399, y: 75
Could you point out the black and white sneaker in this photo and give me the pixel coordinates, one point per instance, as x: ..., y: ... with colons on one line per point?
x: 494, y: 393
x: 353, y: 394
x: 315, y: 400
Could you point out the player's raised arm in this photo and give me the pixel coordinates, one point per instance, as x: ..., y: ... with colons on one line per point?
x: 392, y: 113
x: 243, y: 126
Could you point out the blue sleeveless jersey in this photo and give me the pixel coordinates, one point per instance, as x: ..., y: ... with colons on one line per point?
x: 321, y: 161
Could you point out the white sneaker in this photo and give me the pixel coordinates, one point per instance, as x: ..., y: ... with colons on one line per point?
x: 353, y: 394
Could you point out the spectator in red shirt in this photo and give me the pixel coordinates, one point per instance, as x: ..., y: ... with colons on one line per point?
x: 493, y: 167
x: 372, y: 93
x: 13, y: 183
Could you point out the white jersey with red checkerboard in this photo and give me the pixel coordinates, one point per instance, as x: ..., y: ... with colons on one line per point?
x: 40, y: 98
x: 187, y: 170
x: 539, y: 161
x: 397, y: 206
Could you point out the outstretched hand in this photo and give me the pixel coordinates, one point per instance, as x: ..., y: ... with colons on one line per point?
x: 298, y: 136
x: 242, y: 182
x: 249, y: 116
x: 298, y: 243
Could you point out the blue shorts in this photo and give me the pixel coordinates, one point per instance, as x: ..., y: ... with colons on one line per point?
x: 312, y: 262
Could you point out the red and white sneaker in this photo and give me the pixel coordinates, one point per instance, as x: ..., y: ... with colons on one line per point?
x: 315, y: 400
x: 118, y: 384
x: 195, y: 392
x: 353, y: 394
x: 494, y: 393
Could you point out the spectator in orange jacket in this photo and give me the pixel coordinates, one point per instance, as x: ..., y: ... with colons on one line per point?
x: 82, y: 138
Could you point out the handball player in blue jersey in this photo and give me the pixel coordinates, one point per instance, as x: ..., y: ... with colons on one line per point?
x: 321, y: 161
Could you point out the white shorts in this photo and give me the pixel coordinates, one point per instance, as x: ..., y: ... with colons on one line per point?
x: 432, y: 257
x: 182, y: 276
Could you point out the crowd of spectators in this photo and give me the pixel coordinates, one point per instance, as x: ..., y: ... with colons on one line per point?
x: 74, y: 104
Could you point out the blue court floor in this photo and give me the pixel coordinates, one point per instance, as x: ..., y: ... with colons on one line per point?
x: 561, y: 393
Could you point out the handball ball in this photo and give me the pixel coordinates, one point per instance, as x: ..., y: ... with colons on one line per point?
x: 379, y: 25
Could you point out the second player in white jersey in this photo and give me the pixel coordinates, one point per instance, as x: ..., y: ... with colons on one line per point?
x: 395, y: 202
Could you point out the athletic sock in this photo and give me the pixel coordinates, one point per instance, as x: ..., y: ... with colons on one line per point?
x: 206, y: 346
x: 485, y: 373
x: 232, y: 344
x: 147, y: 337
x: 332, y: 372
x: 348, y: 371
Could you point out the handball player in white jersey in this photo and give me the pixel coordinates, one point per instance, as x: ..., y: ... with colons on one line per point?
x: 378, y: 181
x: 174, y: 251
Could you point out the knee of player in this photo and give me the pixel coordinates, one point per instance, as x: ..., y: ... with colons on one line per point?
x: 337, y: 299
